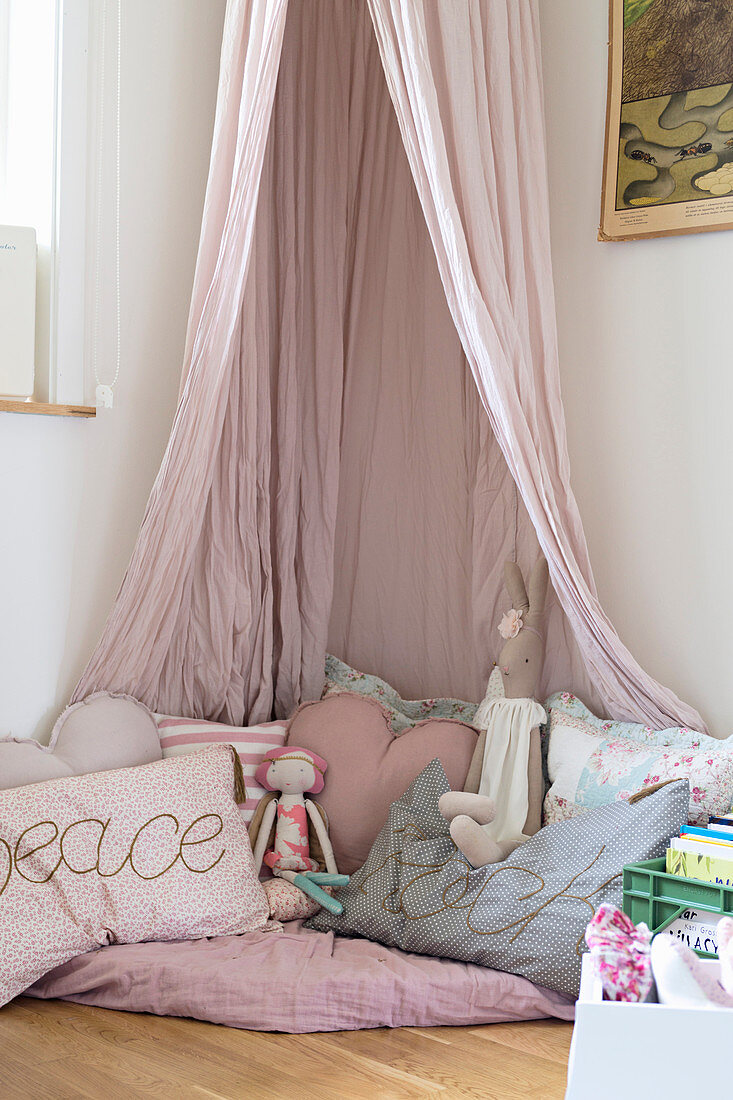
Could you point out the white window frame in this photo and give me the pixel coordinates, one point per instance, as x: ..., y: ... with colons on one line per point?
x: 4, y: 22
x: 66, y: 375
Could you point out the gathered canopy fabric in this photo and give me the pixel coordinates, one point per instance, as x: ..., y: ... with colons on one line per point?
x: 370, y: 417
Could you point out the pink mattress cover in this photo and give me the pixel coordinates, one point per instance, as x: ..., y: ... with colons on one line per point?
x: 297, y: 981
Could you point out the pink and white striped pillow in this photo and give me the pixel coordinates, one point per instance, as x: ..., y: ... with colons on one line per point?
x: 183, y: 735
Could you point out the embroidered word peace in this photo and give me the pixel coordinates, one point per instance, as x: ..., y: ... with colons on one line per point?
x: 86, y: 846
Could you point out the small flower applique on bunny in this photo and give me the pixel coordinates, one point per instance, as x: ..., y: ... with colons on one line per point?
x: 502, y: 804
x: 293, y: 828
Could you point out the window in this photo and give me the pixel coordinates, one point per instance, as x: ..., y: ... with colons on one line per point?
x: 43, y: 163
x: 27, y: 108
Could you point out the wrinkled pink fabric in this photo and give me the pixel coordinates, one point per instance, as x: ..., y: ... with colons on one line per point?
x: 427, y: 509
x: 298, y: 981
x: 191, y: 630
x: 465, y: 80
x: 332, y: 476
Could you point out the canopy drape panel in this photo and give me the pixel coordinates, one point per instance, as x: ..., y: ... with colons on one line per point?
x: 465, y: 80
x: 370, y: 417
x: 428, y: 511
x: 191, y: 628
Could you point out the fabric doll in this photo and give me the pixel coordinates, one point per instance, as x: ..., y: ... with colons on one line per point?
x: 291, y: 772
x: 502, y: 804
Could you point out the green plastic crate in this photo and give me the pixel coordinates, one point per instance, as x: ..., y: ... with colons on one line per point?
x: 653, y: 896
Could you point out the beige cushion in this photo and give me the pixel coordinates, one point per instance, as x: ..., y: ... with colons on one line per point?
x: 99, y: 734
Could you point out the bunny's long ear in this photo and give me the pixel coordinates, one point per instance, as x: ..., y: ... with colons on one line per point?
x: 538, y: 587
x: 514, y: 582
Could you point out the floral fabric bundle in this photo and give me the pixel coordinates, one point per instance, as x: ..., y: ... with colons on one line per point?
x: 621, y: 950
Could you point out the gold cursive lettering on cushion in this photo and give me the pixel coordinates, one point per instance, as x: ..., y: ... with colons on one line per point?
x: 411, y: 905
x: 41, y: 870
x: 139, y: 833
x: 17, y: 859
x: 75, y: 825
x: 109, y: 874
x: 8, y: 873
x: 202, y: 840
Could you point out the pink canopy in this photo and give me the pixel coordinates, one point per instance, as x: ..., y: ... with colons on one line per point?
x: 370, y: 418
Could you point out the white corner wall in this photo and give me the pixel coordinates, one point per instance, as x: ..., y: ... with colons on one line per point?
x: 73, y: 492
x: 645, y: 347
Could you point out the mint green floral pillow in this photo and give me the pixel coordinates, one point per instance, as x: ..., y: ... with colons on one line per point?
x: 403, y: 713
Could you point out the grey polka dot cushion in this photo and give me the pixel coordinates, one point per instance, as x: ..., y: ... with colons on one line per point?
x: 526, y: 915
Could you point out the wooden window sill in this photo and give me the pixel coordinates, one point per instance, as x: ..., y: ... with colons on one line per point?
x: 41, y: 408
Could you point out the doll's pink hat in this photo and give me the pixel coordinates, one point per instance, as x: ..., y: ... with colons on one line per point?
x: 292, y: 752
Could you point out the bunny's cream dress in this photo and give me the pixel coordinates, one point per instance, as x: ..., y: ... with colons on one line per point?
x: 508, y: 724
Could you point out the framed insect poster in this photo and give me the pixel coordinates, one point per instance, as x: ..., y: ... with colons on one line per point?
x: 668, y: 165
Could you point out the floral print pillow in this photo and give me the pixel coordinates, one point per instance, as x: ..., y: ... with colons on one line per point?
x: 156, y: 852
x: 589, y: 765
x: 403, y: 713
x: 673, y: 737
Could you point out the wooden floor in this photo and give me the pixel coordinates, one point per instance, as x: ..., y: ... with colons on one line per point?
x: 56, y: 1050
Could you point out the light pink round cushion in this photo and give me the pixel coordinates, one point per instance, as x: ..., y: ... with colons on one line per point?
x: 287, y: 902
x: 99, y: 734
x: 369, y: 766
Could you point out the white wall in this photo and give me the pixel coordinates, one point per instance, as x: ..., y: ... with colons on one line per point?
x: 72, y: 492
x: 645, y: 344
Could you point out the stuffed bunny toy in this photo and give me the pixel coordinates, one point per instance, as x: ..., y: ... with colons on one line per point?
x: 502, y: 804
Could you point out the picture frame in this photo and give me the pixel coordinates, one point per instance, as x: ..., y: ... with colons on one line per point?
x: 668, y: 159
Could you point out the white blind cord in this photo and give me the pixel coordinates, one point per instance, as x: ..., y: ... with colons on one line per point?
x: 104, y: 392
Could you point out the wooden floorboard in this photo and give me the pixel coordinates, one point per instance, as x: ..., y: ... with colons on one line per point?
x: 56, y: 1050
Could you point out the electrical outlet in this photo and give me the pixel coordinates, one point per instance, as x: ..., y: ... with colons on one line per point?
x: 105, y: 399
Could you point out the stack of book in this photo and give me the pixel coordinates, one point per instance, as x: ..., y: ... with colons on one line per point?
x: 704, y: 854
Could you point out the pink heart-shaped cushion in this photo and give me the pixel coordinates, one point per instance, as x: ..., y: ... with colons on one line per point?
x: 100, y: 734
x: 369, y: 766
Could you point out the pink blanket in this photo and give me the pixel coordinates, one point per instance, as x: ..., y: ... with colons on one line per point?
x: 297, y: 981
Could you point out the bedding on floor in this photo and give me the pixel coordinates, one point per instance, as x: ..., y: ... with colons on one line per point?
x: 297, y: 981
x: 310, y: 978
